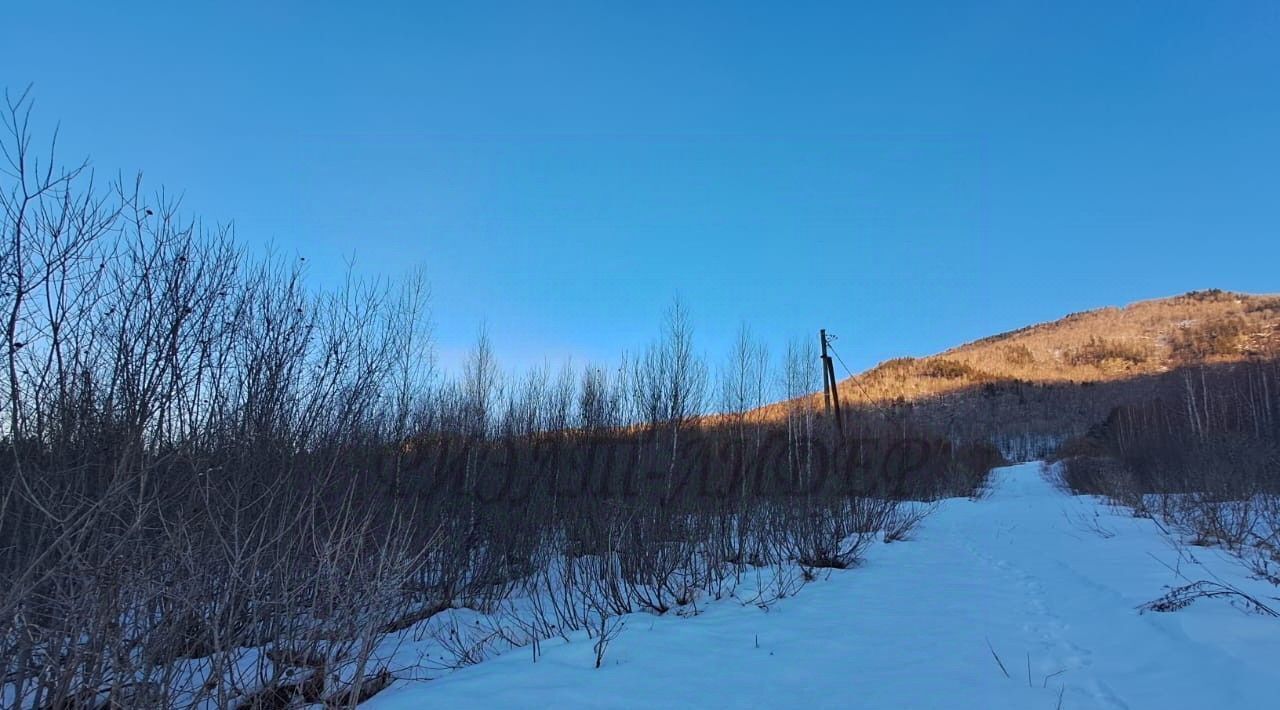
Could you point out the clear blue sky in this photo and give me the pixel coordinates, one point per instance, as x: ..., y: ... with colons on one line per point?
x: 908, y: 175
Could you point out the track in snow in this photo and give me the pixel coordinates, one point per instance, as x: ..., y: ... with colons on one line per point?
x: 1015, y: 575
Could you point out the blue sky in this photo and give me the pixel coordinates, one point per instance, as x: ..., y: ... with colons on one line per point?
x: 907, y: 175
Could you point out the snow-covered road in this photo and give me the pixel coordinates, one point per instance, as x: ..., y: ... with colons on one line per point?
x: 1019, y: 575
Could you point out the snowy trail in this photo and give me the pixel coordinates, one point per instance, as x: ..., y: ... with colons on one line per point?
x: 1016, y: 574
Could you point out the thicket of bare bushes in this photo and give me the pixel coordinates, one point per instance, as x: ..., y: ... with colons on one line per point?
x: 1202, y: 341
x: 220, y: 487
x: 1206, y: 457
x: 1098, y: 351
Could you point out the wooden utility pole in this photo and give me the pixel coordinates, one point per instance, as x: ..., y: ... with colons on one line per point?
x: 826, y: 377
x: 829, y: 390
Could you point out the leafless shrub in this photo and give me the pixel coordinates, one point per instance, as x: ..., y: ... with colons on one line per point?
x: 1209, y: 295
x: 904, y: 518
x: 1183, y: 596
x: 1199, y: 341
x: 950, y: 370
x: 1099, y: 351
x: 1019, y: 355
x: 606, y: 630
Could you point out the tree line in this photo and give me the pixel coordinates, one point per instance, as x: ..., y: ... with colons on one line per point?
x: 1205, y: 457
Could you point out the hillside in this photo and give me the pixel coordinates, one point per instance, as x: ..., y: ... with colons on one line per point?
x: 1054, y: 379
x: 1143, y: 338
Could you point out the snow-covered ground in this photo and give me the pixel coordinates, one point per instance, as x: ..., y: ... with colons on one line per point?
x: 1046, y: 582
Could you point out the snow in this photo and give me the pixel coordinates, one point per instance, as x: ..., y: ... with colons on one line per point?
x: 1023, y: 574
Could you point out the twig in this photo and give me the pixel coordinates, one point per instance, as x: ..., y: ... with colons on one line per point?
x: 1045, y: 684
x: 997, y: 657
x: 1182, y: 597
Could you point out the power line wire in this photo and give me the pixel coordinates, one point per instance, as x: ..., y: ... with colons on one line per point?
x: 849, y: 372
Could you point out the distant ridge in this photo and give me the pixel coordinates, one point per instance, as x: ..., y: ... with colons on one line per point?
x: 1046, y: 381
x: 1146, y: 337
